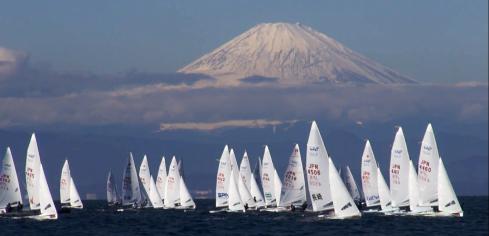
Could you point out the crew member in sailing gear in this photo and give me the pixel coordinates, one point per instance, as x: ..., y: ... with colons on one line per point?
x: 254, y: 198
x: 304, y: 206
x: 246, y: 206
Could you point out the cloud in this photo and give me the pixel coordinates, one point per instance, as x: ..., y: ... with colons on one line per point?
x: 209, y: 126
x: 10, y: 61
x: 34, y: 95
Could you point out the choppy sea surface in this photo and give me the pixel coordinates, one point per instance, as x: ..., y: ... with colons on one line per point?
x: 97, y: 219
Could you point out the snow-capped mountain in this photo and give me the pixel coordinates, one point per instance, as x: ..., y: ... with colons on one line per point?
x: 291, y: 54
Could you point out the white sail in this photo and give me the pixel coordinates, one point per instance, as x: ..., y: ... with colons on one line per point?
x: 144, y: 177
x: 267, y: 179
x: 48, y: 210
x: 414, y: 204
x: 234, y: 165
x: 144, y: 174
x: 447, y: 199
x: 344, y: 206
x: 350, y: 184
x: 245, y: 171
x: 9, y: 184
x: 223, y: 179
x: 111, y: 189
x: 64, y: 184
x: 131, y: 194
x: 256, y: 193
x: 172, y: 188
x: 33, y: 173
x: 154, y: 196
x: 277, y: 187
x: 235, y: 203
x: 428, y: 169
x: 161, y: 179
x: 317, y: 171
x: 399, y: 171
x: 186, y: 200
x: 369, y: 177
x: 294, y: 186
x: 384, y: 193
x: 75, y: 200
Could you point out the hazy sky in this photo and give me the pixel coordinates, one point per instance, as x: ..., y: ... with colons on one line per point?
x: 441, y: 41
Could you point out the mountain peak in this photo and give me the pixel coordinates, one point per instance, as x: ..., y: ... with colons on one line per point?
x: 291, y: 54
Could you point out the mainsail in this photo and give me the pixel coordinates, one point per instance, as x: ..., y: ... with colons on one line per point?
x: 172, y: 188
x: 33, y: 173
x: 245, y: 171
x: 317, y: 171
x: 399, y: 171
x: 112, y: 197
x: 64, y: 184
x: 294, y: 186
x: 161, y: 179
x: 9, y: 184
x: 267, y: 178
x: 223, y: 179
x: 131, y: 193
x: 428, y: 169
x: 369, y: 177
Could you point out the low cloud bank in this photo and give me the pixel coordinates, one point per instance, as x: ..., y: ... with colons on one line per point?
x: 209, y: 126
x: 31, y: 95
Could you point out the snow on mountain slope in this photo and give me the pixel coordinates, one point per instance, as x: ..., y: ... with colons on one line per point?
x: 292, y: 54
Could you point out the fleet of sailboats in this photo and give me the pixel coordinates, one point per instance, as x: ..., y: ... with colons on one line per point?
x: 422, y: 190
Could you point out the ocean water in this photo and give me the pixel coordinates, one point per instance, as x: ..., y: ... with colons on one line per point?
x: 95, y: 219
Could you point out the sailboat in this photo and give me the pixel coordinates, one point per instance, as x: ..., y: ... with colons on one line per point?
x: 435, y: 188
x: 235, y: 203
x: 112, y: 197
x: 243, y: 179
x: 399, y: 171
x: 40, y: 199
x: 448, y: 204
x: 293, y: 191
x: 222, y: 181
x: 327, y: 190
x: 10, y: 198
x: 161, y: 179
x: 343, y: 204
x: 172, y: 188
x: 255, y: 189
x: 351, y: 185
x: 131, y: 193
x: 147, y: 181
x: 268, y: 179
x: 69, y: 196
x: 369, y: 178
x: 186, y: 200
x: 317, y: 165
x: 245, y: 176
